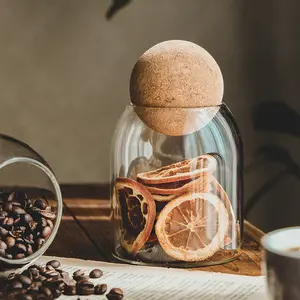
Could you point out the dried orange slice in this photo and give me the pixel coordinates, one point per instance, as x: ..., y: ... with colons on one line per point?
x: 218, y: 190
x: 192, y: 227
x: 184, y: 170
x: 163, y: 198
x: 137, y: 213
x: 201, y: 184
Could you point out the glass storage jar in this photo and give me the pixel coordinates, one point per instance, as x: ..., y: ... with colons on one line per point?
x: 30, y: 205
x: 177, y: 200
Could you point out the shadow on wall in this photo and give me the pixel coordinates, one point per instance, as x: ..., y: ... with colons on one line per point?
x: 280, y: 118
x: 269, y: 38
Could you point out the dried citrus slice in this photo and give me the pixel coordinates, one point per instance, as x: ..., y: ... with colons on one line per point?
x: 192, y: 227
x: 163, y: 198
x: 184, y: 170
x: 137, y: 213
x: 218, y: 190
x: 201, y: 184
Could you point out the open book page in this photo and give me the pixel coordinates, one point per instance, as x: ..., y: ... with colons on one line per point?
x: 159, y: 283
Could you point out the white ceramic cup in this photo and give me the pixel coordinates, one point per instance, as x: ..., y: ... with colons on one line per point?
x: 282, y: 266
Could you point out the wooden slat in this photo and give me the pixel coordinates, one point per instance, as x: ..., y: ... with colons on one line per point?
x: 71, y: 241
x: 93, y: 216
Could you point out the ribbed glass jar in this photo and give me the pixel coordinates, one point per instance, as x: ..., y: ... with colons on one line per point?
x: 177, y: 200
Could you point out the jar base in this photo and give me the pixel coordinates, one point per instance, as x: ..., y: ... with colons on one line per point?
x: 221, y: 257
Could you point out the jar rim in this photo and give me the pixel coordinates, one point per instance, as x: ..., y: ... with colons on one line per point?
x: 174, y: 107
x: 48, y: 242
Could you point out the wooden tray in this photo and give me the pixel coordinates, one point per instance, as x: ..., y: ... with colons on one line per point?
x: 85, y: 233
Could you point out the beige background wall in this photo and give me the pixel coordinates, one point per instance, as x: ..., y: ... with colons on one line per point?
x: 64, y: 72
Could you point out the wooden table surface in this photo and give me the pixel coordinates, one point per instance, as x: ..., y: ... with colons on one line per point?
x: 85, y: 233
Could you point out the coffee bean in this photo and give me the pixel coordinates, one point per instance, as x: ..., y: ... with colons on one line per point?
x: 46, y: 232
x: 27, y: 218
x: 47, y: 214
x: 78, y: 273
x: 3, y: 215
x: 42, y: 278
x: 25, y: 297
x: 60, y: 284
x: 14, y: 293
x: 29, y: 250
x: 116, y: 291
x: 100, y: 289
x: 51, y: 274
x: 85, y: 290
x: 7, y: 207
x: 10, y: 241
x: 8, y: 221
x: 3, y: 232
x: 2, y: 254
x: 96, y: 273
x: 21, y: 248
x: 56, y: 293
x: 40, y: 243
x: 18, y: 210
x: 53, y: 263
x: 32, y: 225
x: 3, y: 245
x: 49, y: 268
x: 87, y: 284
x: 81, y: 278
x: 50, y: 224
x: 110, y: 296
x: 46, y: 291
x: 25, y: 280
x: 70, y: 290
x: 19, y: 256
x: 15, y: 284
x: 41, y: 203
x: 28, y: 274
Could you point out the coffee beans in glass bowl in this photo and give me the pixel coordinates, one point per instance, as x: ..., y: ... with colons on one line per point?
x: 26, y: 225
x: 30, y: 205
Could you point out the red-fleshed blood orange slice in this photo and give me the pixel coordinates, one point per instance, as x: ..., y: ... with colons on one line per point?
x: 137, y: 213
x: 185, y: 170
x: 192, y: 227
x: 201, y: 184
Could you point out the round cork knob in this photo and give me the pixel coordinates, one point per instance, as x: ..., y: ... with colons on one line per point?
x: 175, y: 75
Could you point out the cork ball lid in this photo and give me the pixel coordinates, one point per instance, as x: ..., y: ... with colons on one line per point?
x: 176, y: 74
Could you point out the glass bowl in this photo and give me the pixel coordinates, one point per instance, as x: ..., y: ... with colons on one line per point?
x: 176, y: 190
x: 31, y: 197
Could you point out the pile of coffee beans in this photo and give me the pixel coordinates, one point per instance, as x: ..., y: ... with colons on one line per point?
x: 50, y: 282
x: 25, y: 224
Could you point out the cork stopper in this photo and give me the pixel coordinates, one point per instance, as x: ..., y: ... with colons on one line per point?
x: 175, y: 75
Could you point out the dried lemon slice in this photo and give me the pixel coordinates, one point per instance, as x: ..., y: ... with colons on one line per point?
x: 137, y: 213
x: 185, y: 170
x: 192, y: 227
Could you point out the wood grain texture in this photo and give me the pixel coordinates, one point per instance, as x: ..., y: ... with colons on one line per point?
x: 89, y: 219
x: 71, y: 241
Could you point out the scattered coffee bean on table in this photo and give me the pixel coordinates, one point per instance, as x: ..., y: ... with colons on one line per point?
x: 50, y: 282
x: 115, y: 294
x: 100, y: 289
x: 25, y: 224
x: 96, y: 273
